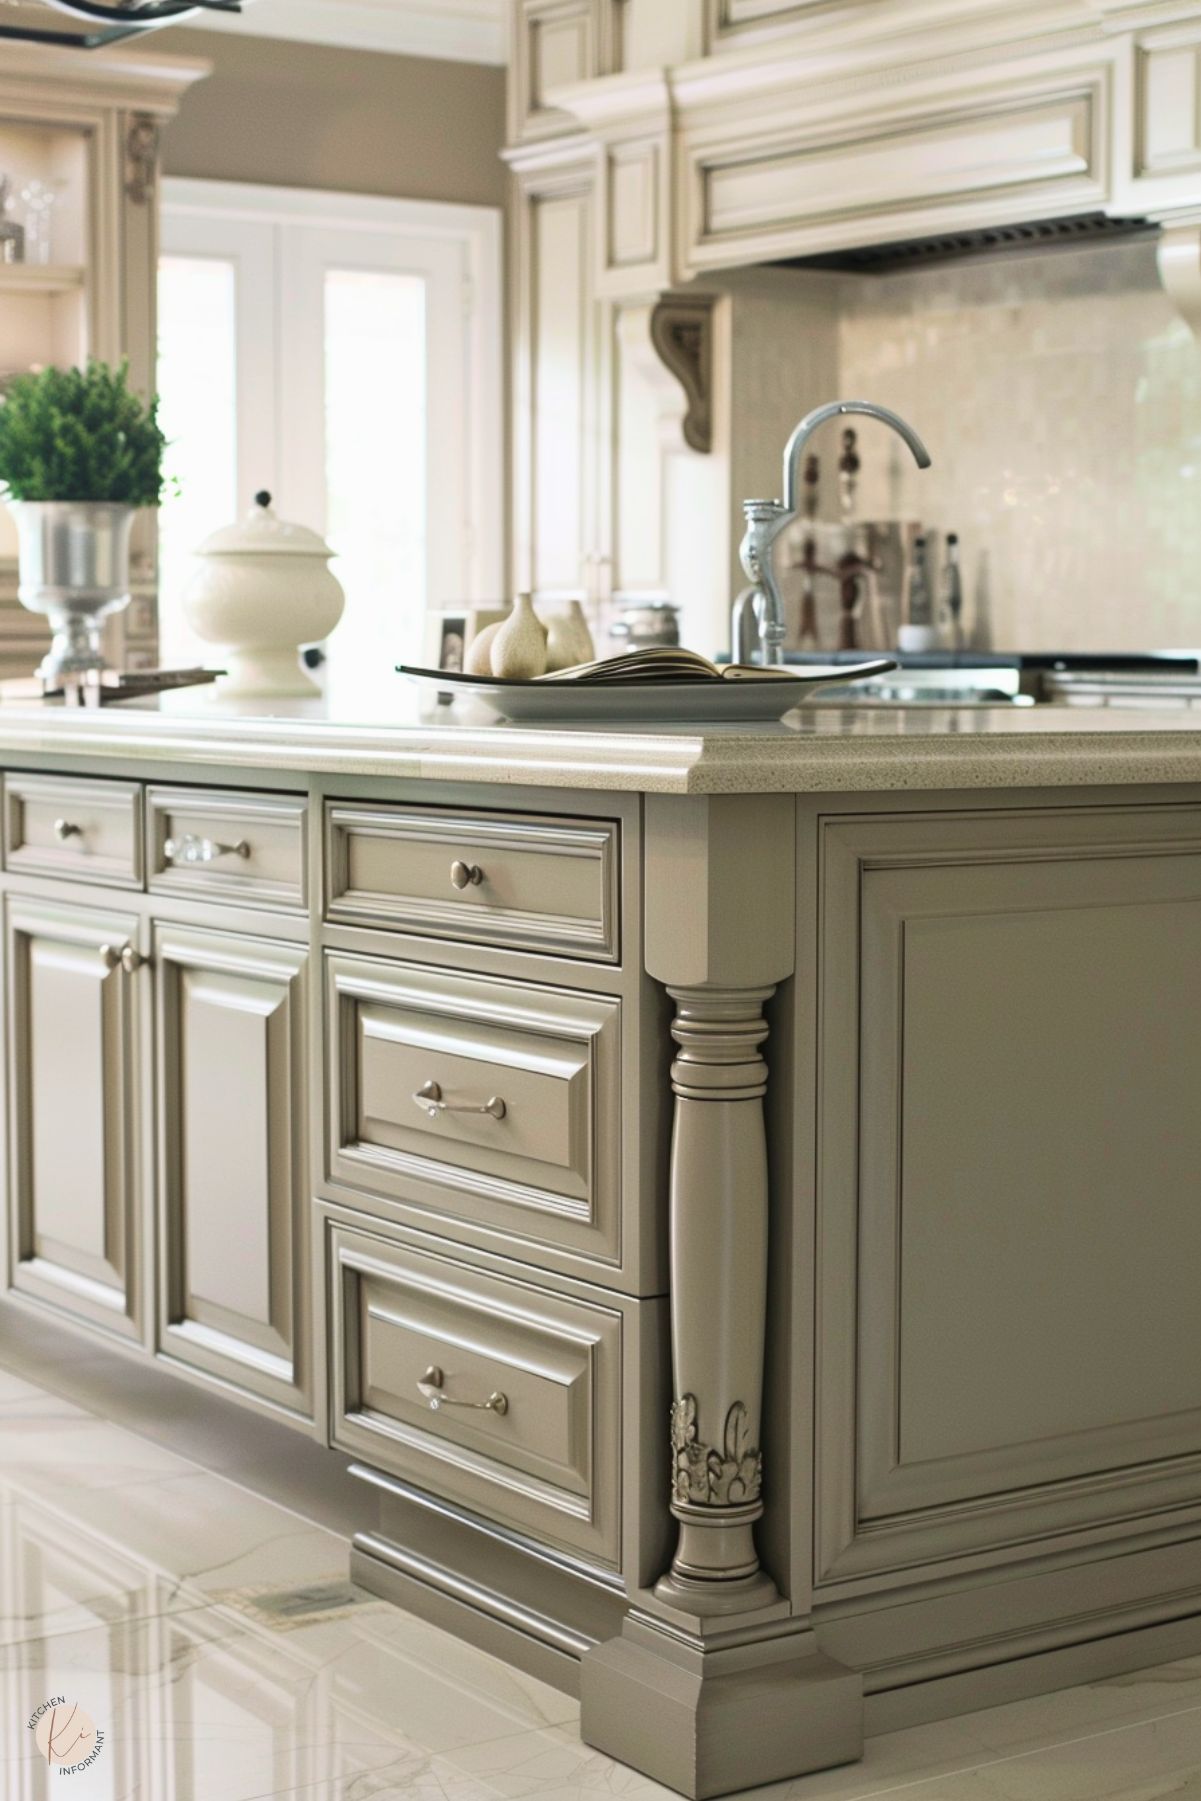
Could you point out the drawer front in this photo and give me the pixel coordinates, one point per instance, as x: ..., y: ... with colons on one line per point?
x: 85, y: 831
x: 479, y: 1387
x: 494, y: 1104
x: 508, y: 879
x: 237, y: 847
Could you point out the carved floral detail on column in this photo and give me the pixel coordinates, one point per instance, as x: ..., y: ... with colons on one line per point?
x: 705, y: 1477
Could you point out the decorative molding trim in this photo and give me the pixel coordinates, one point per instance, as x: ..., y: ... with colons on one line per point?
x: 143, y: 138
x: 472, y: 31
x: 704, y: 1476
x: 682, y: 334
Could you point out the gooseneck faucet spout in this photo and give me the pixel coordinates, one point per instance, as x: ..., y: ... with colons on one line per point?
x: 795, y: 449
x: 766, y: 520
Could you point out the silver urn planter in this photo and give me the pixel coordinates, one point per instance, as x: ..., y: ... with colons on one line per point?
x: 74, y: 569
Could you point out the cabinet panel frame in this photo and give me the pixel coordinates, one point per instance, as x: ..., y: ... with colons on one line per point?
x: 587, y: 1232
x: 585, y: 1521
x: 998, y: 1524
x: 121, y: 800
x: 1085, y: 90
x: 85, y: 922
x: 596, y: 840
x: 598, y: 24
x: 230, y: 814
x: 273, y: 1365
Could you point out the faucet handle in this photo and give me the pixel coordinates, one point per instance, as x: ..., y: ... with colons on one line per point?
x: 765, y: 520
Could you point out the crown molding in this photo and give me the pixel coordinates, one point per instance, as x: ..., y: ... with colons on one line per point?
x: 472, y: 31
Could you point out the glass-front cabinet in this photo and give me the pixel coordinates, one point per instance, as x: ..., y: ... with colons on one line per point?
x: 80, y: 141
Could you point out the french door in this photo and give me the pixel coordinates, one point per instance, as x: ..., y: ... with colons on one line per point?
x: 343, y: 353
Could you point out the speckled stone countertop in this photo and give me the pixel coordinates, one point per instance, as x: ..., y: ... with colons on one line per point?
x: 820, y: 749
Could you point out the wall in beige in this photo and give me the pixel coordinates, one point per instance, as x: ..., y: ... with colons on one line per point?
x: 308, y: 116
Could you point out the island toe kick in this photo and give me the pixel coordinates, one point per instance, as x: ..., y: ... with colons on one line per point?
x: 745, y: 1243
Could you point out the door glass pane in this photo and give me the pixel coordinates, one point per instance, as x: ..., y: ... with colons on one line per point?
x: 197, y: 384
x: 376, y: 469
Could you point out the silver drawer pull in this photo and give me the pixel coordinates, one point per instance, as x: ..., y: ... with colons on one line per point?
x: 189, y: 849
x: 110, y: 957
x: 429, y: 1098
x: 466, y: 875
x: 433, y: 1387
x: 65, y: 829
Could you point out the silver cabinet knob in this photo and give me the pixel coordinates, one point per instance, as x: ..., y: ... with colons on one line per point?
x: 110, y: 956
x: 433, y: 1386
x: 66, y: 829
x: 132, y: 960
x: 466, y: 875
x: 429, y: 1099
x: 190, y: 849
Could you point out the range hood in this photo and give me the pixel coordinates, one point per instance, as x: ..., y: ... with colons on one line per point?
x: 90, y: 24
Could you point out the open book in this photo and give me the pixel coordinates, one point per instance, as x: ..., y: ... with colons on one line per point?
x: 664, y: 663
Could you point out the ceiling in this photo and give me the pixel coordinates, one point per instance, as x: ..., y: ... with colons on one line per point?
x: 463, y: 30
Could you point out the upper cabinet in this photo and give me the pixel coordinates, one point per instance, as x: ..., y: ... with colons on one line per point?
x: 801, y: 128
x: 79, y: 149
x: 729, y: 24
x: 559, y: 384
x: 1167, y: 134
x: 557, y: 43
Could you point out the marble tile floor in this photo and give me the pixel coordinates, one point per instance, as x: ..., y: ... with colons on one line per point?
x: 211, y: 1637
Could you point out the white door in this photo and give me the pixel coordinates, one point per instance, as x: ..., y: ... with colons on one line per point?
x: 342, y: 353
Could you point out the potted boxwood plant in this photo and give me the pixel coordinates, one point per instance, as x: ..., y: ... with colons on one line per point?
x: 80, y: 453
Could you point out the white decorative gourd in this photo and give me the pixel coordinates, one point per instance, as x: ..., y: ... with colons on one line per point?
x: 519, y: 647
x: 568, y: 639
x: 478, y: 660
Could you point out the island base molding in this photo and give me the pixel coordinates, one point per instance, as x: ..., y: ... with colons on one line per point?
x: 709, y: 1718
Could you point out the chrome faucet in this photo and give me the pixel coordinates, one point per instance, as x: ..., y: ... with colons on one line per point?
x: 767, y: 519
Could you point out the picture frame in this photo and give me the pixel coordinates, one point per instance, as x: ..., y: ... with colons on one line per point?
x: 445, y: 642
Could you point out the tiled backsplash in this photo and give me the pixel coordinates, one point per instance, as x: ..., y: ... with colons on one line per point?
x: 1060, y: 395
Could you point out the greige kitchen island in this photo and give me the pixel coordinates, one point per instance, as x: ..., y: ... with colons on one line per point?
x: 733, y: 1194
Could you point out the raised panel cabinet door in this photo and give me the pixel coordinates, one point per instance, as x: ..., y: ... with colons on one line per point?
x: 72, y: 1082
x: 232, y: 1157
x: 560, y: 403
x: 554, y: 44
x: 1010, y: 1141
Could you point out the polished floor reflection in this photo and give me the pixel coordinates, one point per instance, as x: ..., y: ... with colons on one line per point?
x: 210, y: 1638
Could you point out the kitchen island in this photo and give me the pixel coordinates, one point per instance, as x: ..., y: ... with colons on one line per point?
x: 732, y: 1193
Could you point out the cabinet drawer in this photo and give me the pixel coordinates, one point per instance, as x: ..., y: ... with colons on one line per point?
x: 479, y: 1387
x: 418, y: 1054
x: 239, y: 847
x: 84, y: 830
x: 509, y: 879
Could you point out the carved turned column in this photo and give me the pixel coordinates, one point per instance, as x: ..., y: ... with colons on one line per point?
x: 716, y: 1682
x: 719, y: 1294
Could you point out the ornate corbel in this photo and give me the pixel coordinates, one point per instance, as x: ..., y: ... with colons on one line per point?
x: 142, y: 140
x: 682, y: 333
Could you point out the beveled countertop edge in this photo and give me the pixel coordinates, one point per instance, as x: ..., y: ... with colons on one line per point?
x: 1039, y: 750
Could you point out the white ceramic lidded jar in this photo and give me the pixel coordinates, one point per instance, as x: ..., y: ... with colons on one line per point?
x: 262, y: 589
